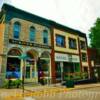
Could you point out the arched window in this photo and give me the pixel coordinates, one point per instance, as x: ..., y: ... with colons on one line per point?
x: 14, y: 52
x: 16, y: 30
x: 45, y: 37
x: 32, y: 34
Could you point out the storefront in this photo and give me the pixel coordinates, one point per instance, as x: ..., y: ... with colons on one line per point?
x: 13, y: 69
x: 66, y: 64
x: 34, y: 66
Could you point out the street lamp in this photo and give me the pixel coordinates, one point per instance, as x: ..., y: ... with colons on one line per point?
x: 24, y: 57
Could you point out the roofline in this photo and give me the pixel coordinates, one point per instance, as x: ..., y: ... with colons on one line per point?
x: 68, y: 29
x: 51, y: 22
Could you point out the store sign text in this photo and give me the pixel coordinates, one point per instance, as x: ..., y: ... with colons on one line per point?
x: 66, y: 57
x: 28, y: 44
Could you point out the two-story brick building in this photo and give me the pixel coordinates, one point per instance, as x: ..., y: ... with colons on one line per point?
x: 70, y: 53
x: 39, y: 48
x: 25, y: 43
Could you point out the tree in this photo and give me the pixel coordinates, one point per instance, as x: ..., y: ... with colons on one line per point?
x: 95, y: 35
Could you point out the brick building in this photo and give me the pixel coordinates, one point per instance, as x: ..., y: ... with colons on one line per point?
x: 39, y: 48
x: 94, y: 63
x: 70, y: 53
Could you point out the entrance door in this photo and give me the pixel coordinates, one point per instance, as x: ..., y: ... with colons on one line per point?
x: 31, y: 66
x: 44, y: 68
x: 30, y: 69
x: 58, y: 72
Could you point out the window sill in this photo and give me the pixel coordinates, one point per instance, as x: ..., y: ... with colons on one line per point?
x: 61, y: 46
x: 73, y: 48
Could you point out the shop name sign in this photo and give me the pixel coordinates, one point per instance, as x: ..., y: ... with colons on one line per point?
x: 75, y: 58
x: 66, y: 57
x: 28, y: 44
x: 61, y: 57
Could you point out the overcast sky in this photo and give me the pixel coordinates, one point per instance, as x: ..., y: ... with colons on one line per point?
x: 77, y: 14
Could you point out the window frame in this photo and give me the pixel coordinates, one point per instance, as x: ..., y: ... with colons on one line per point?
x: 64, y: 46
x: 45, y: 37
x: 74, y: 43
x: 30, y: 34
x: 18, y: 25
x: 81, y: 43
x: 84, y: 59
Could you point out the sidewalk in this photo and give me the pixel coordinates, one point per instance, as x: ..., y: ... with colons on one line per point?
x: 85, y: 86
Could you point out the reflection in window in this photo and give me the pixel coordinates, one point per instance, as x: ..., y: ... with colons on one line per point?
x: 60, y: 40
x: 72, y: 43
x: 82, y: 45
x: 16, y: 30
x: 13, y: 68
x: 45, y: 37
x: 32, y: 34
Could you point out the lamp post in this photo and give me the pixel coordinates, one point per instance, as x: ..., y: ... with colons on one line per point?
x: 24, y: 57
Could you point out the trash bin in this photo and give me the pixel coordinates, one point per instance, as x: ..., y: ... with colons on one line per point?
x: 70, y: 83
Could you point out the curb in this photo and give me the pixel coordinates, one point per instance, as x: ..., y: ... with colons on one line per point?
x: 78, y: 88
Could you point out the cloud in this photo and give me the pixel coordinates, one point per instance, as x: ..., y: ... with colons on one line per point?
x: 78, y: 14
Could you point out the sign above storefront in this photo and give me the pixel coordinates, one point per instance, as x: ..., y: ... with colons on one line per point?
x: 61, y: 57
x: 28, y: 44
x: 66, y: 57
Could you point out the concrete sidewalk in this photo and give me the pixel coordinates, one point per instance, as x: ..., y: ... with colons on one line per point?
x: 85, y: 86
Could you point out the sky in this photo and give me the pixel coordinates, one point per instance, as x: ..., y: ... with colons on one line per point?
x: 77, y: 14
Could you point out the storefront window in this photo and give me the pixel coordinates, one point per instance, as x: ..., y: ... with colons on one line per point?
x: 13, y: 64
x: 58, y: 71
x: 13, y: 68
x: 77, y: 67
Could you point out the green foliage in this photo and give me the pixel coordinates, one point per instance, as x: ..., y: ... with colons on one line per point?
x: 5, y: 85
x: 95, y: 35
x: 13, y: 83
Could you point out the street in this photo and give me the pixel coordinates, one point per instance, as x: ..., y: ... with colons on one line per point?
x: 80, y: 92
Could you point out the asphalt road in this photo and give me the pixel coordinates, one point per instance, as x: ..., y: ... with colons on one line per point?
x: 80, y: 94
x: 92, y: 93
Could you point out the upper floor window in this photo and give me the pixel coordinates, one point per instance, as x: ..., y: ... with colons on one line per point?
x: 16, y: 30
x: 60, y: 40
x: 84, y: 57
x: 45, y: 37
x: 82, y: 45
x: 32, y: 34
x: 72, y: 43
